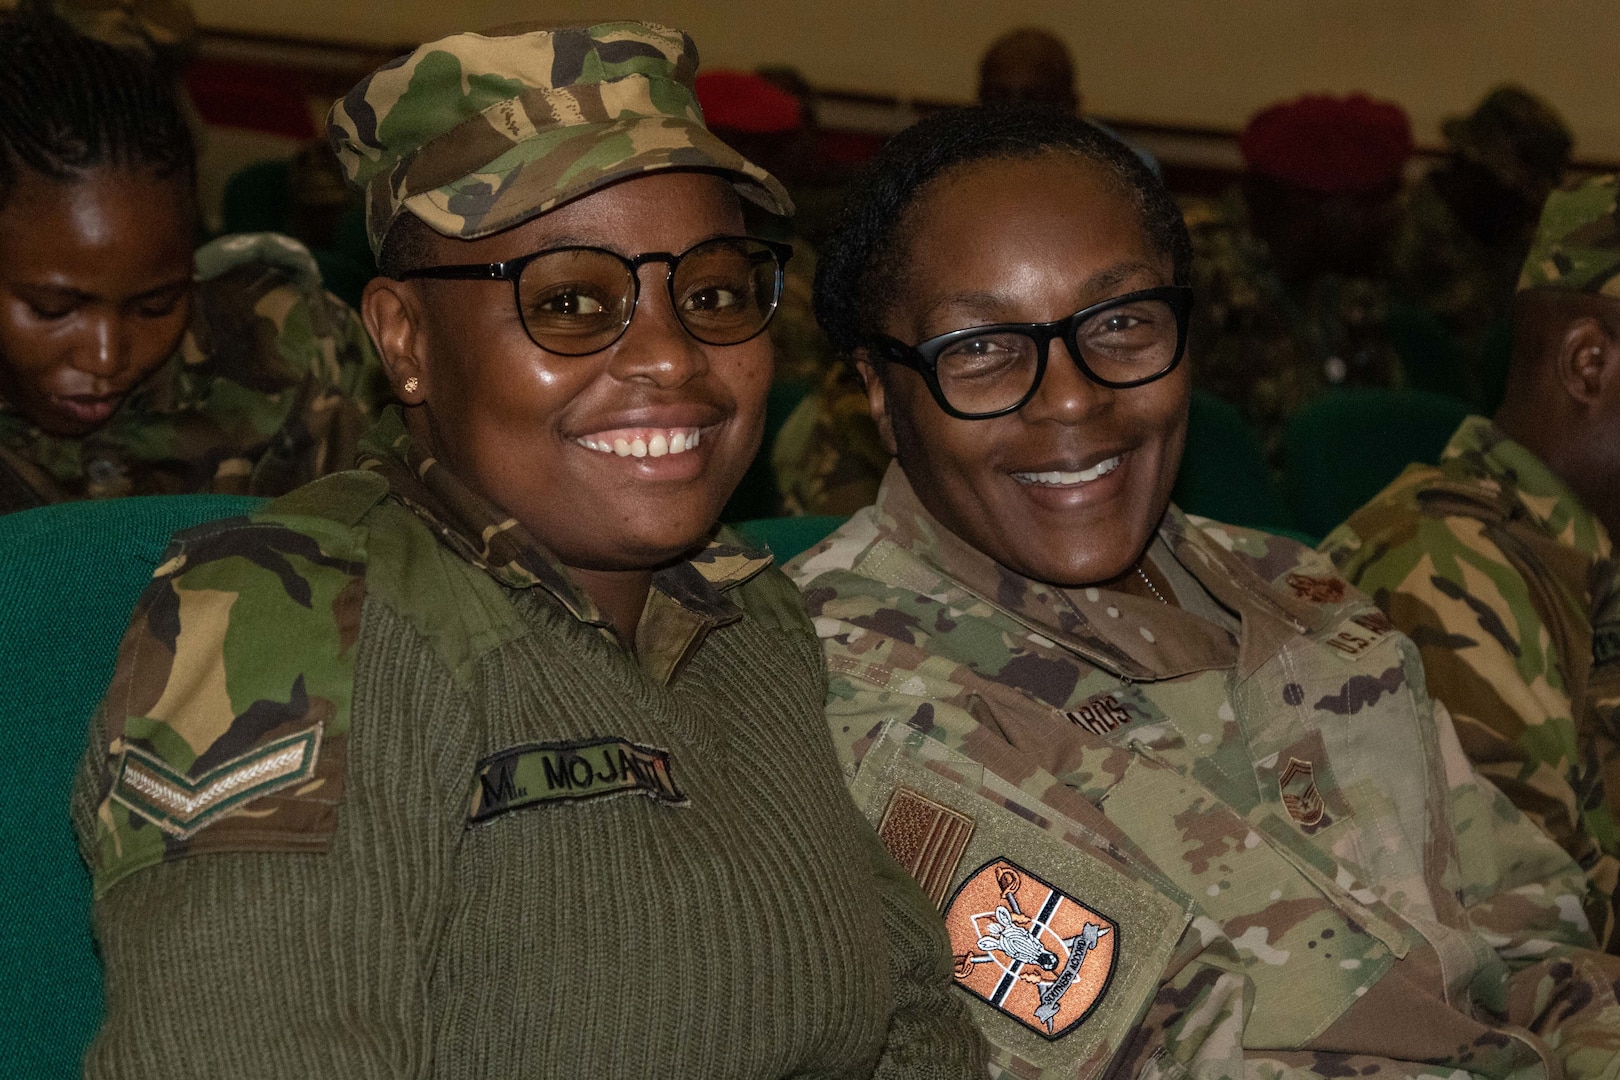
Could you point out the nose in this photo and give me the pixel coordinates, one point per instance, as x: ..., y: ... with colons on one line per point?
x: 104, y: 351
x: 1066, y: 394
x: 655, y: 347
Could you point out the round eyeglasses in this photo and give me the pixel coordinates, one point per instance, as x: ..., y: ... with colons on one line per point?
x: 986, y: 371
x: 575, y: 301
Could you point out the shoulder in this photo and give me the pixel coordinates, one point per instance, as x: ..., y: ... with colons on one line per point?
x: 1287, y: 566
x: 1427, y: 515
x: 837, y: 555
x: 234, y: 685
x: 260, y: 301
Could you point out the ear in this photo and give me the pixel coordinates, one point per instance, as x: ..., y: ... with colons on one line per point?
x: 876, y: 400
x: 392, y: 312
x: 1588, y: 363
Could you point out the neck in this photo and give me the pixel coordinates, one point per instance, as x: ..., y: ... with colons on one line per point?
x: 1558, y: 438
x: 619, y: 594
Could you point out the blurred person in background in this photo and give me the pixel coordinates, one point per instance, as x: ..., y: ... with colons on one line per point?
x: 130, y: 363
x: 1468, y: 223
x: 1291, y: 269
x: 1500, y: 562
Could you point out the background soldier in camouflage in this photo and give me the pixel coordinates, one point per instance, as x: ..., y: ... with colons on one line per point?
x: 1500, y: 563
x: 1290, y: 270
x: 130, y: 365
x: 1467, y: 225
x: 1067, y: 705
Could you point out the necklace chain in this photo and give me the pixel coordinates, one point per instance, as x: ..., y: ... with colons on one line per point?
x: 1157, y: 595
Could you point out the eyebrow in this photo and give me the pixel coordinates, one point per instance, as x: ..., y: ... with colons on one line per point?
x: 990, y: 304
x: 79, y: 294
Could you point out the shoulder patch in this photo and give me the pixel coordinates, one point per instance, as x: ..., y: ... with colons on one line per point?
x: 1030, y: 950
x: 228, y: 713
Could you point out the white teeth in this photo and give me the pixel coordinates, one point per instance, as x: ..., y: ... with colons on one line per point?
x: 1062, y: 479
x: 658, y: 444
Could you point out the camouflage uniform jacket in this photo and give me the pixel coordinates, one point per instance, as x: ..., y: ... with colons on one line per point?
x: 1511, y: 589
x: 376, y: 791
x: 271, y: 387
x: 1231, y: 838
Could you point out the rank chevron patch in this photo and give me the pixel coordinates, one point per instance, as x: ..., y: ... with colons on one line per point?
x: 181, y: 805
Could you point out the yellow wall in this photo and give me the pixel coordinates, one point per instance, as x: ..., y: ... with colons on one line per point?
x: 1207, y: 62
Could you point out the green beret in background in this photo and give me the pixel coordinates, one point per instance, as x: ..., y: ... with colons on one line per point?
x: 1577, y: 244
x: 475, y: 133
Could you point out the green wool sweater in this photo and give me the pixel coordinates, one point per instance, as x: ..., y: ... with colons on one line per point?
x: 472, y: 835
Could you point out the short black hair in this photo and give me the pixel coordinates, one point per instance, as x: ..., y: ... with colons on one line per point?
x: 858, y: 270
x: 70, y: 104
x: 406, y: 246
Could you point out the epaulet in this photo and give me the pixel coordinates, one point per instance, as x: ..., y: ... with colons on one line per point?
x: 460, y: 611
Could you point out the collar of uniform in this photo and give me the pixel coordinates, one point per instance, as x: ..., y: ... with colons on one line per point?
x: 687, y: 599
x: 1479, y: 450
x: 1084, y: 620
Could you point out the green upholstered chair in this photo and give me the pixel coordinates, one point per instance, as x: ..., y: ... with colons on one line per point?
x: 69, y: 577
x: 788, y: 536
x: 1346, y: 446
x: 1224, y: 474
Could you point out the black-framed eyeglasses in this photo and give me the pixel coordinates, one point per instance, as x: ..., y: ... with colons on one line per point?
x: 986, y: 371
x: 575, y: 301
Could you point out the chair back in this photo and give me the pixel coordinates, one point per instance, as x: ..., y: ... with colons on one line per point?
x: 70, y: 575
x: 1346, y: 446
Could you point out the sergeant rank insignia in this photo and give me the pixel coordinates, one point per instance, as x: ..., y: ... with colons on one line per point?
x: 1029, y: 950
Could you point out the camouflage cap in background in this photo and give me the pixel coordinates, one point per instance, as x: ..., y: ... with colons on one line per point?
x: 475, y: 133
x: 1516, y: 137
x: 1577, y: 244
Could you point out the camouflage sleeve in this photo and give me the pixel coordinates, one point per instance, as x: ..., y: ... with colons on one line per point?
x: 930, y: 1035
x: 229, y: 905
x: 1525, y: 896
x: 1488, y: 655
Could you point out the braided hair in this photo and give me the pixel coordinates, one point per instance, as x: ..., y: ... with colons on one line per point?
x: 860, y: 267
x: 70, y: 104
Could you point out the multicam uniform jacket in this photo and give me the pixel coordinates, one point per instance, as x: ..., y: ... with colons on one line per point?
x: 271, y: 387
x: 1229, y: 838
x: 1511, y: 589
x: 376, y: 791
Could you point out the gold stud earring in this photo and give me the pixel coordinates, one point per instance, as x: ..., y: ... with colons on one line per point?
x: 411, y: 384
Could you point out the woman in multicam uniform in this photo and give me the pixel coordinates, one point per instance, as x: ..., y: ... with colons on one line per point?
x: 131, y: 364
x: 1176, y: 787
x: 493, y: 759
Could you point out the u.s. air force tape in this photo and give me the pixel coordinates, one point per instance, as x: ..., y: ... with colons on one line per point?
x: 569, y: 772
x: 1059, y: 947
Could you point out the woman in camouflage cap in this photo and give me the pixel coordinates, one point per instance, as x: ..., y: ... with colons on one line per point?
x: 130, y: 364
x: 496, y: 758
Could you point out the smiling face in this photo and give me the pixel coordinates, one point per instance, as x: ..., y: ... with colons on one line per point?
x: 1069, y: 488
x: 95, y: 291
x: 618, y: 460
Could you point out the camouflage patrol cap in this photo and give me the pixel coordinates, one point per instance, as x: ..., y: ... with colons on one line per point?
x: 475, y: 133
x: 1516, y: 137
x: 1577, y: 244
